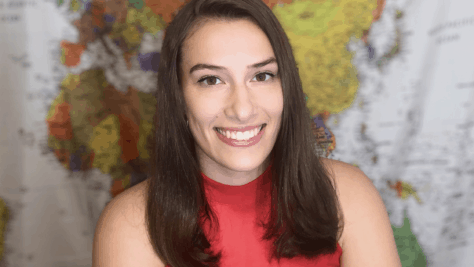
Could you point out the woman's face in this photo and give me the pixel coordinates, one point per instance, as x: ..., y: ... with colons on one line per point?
x: 225, y: 87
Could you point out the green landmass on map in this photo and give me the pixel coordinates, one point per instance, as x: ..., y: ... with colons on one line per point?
x: 409, y: 250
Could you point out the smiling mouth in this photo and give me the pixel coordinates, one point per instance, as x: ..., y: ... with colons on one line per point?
x: 240, y: 135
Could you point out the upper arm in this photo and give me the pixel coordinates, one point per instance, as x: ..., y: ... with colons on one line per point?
x: 120, y: 237
x: 367, y: 237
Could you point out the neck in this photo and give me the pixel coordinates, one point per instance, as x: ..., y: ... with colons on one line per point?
x: 224, y: 175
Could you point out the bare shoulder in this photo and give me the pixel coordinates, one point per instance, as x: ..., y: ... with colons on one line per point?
x: 121, y: 237
x: 338, y: 172
x: 345, y: 177
x: 367, y: 238
x: 351, y: 183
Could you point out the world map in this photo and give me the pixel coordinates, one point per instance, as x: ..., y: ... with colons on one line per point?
x: 388, y: 84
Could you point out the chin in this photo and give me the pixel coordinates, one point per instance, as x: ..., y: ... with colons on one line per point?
x: 245, y: 165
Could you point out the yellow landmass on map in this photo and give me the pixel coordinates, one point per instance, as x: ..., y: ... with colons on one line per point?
x: 319, y: 32
x: 104, y: 142
x: 145, y: 130
x: 71, y: 81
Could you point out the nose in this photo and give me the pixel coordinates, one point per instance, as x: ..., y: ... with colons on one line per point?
x: 241, y: 108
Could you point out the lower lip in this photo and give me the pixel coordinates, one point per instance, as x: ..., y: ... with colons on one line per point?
x: 244, y: 143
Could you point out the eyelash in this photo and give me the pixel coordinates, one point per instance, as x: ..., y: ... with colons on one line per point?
x: 212, y: 76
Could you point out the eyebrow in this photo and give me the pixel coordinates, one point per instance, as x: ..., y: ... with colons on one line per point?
x: 213, y: 67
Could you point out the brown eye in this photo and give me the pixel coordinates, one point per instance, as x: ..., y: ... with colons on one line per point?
x: 261, y: 77
x: 211, y: 80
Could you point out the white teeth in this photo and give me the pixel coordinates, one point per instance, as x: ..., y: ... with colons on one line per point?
x: 252, y: 133
x: 241, y: 135
x: 246, y: 135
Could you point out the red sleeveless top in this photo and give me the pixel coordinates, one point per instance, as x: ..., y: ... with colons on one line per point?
x: 238, y: 209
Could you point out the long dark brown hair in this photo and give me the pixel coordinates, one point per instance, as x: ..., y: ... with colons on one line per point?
x: 305, y: 216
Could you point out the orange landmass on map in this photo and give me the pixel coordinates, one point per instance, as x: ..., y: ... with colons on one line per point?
x: 126, y: 107
x: 84, y: 26
x: 127, y: 56
x: 118, y: 9
x: 272, y: 3
x: 97, y: 11
x: 116, y: 188
x: 397, y: 186
x: 72, y: 53
x: 90, y: 21
x: 59, y: 124
x: 63, y: 155
x: 87, y: 160
x: 377, y: 13
x: 166, y: 8
x: 129, y: 133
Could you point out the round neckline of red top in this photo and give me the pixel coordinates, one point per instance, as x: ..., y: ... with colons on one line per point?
x: 237, y: 194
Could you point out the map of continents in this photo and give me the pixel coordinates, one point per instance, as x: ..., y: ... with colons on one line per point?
x: 102, y: 117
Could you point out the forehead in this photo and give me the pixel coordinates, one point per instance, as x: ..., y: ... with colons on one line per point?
x: 219, y: 42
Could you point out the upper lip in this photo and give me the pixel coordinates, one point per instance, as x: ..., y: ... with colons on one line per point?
x: 241, y: 129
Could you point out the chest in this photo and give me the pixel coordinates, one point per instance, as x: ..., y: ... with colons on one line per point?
x: 239, y: 238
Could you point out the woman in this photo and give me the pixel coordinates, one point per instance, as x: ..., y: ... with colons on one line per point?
x: 236, y: 180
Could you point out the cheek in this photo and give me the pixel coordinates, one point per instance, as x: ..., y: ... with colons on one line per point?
x: 272, y: 102
x: 203, y: 110
x: 195, y: 104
